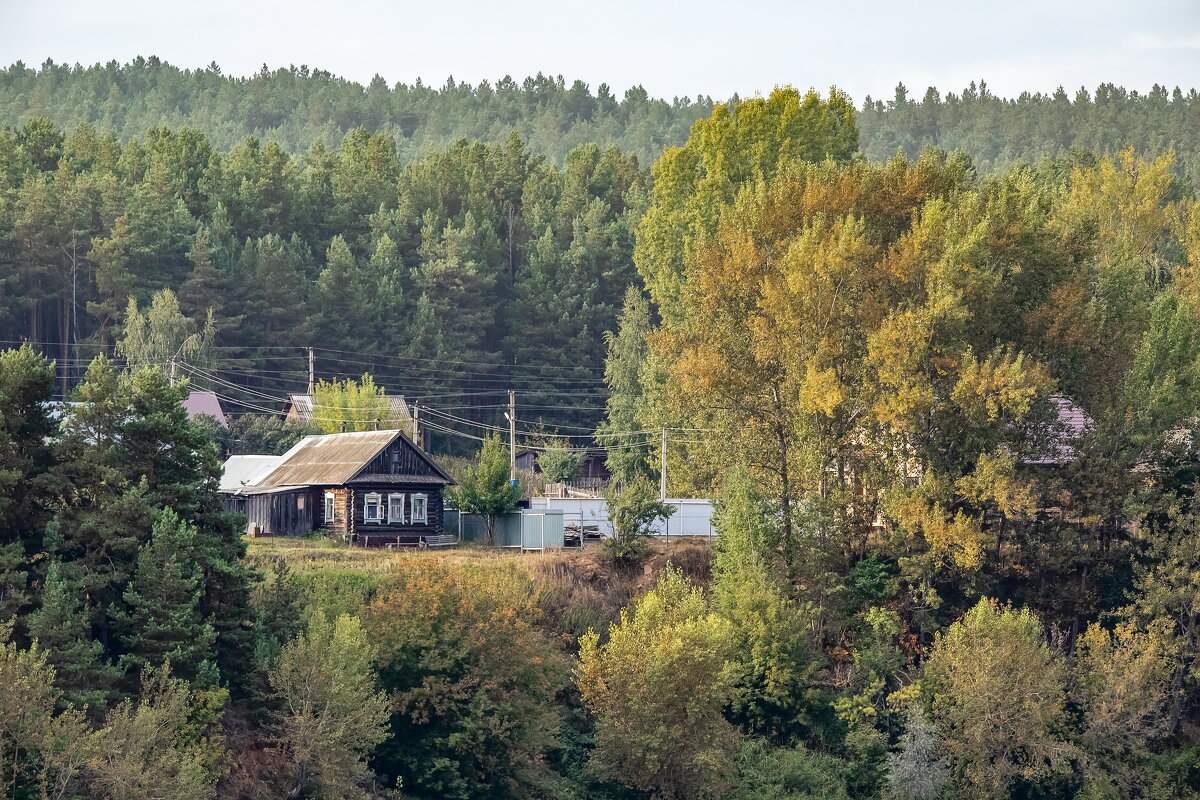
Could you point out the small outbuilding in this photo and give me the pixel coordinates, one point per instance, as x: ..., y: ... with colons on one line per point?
x: 372, y: 488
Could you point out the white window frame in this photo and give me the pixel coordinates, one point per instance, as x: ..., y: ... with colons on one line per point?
x: 330, y: 507
x: 423, y: 517
x: 377, y: 499
x: 390, y: 499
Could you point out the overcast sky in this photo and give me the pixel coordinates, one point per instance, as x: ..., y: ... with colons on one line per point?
x: 671, y: 48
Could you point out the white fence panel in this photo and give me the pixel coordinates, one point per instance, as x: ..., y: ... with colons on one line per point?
x: 692, y: 517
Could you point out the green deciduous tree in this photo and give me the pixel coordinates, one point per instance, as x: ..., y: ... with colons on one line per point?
x: 657, y: 688
x: 635, y: 510
x: 472, y: 679
x: 158, y: 747
x: 331, y: 713
x: 485, y: 487
x: 1121, y: 681
x: 350, y: 405
x: 266, y: 434
x: 786, y: 773
x: 560, y: 460
x: 41, y: 754
x: 998, y: 694
x: 163, y: 336
x: 777, y: 659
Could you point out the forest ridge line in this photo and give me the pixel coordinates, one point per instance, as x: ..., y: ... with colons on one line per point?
x: 299, y: 106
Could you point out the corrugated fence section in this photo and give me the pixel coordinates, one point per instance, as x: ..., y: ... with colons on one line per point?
x: 527, y: 529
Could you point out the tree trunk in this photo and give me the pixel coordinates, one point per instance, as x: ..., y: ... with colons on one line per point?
x: 64, y: 347
x: 301, y: 780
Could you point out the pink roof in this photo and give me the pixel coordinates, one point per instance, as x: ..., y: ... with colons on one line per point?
x: 198, y: 403
x: 1071, y: 426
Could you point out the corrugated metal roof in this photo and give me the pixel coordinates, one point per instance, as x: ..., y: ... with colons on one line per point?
x: 255, y: 490
x: 243, y: 471
x: 328, y: 460
x: 303, y: 406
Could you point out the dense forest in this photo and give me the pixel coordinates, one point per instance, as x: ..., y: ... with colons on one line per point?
x: 298, y: 107
x: 948, y: 415
x: 475, y: 270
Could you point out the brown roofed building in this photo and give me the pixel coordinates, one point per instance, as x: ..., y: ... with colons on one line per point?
x: 370, y: 488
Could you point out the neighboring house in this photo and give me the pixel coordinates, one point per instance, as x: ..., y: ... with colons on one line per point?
x: 205, y: 403
x: 594, y: 469
x: 1062, y: 439
x: 371, y: 488
x: 299, y: 408
x: 242, y: 471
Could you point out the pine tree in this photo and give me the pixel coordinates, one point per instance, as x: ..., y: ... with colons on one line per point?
x: 26, y: 469
x: 207, y: 286
x: 627, y: 353
x: 161, y: 619
x: 61, y: 628
x: 131, y: 450
x: 340, y: 298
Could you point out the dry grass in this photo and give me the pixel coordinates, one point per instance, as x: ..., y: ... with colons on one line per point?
x: 591, y: 564
x: 304, y: 555
x: 578, y: 589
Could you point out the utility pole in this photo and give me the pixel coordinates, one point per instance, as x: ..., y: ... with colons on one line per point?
x: 173, y: 370
x: 662, y: 467
x: 512, y: 435
x: 311, y: 371
x: 416, y: 415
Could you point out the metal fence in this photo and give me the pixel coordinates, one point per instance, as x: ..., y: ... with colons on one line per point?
x: 527, y: 529
x: 692, y: 517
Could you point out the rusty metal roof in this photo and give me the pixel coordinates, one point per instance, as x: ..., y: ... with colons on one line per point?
x: 335, y: 458
x: 328, y: 460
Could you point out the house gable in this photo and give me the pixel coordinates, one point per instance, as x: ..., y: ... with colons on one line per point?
x: 401, y: 459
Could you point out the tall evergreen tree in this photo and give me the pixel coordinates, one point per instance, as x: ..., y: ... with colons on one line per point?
x: 161, y: 619
x: 61, y: 628
x: 27, y: 480
x: 623, y: 372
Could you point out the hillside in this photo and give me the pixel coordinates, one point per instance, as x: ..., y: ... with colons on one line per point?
x: 299, y: 106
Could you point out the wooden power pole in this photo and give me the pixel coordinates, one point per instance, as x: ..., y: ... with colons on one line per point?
x: 312, y: 372
x: 512, y: 435
x: 662, y: 467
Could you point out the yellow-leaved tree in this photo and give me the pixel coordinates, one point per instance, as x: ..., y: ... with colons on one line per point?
x: 658, y: 688
x: 350, y: 405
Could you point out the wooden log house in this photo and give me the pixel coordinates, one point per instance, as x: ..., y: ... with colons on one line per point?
x: 372, y: 488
